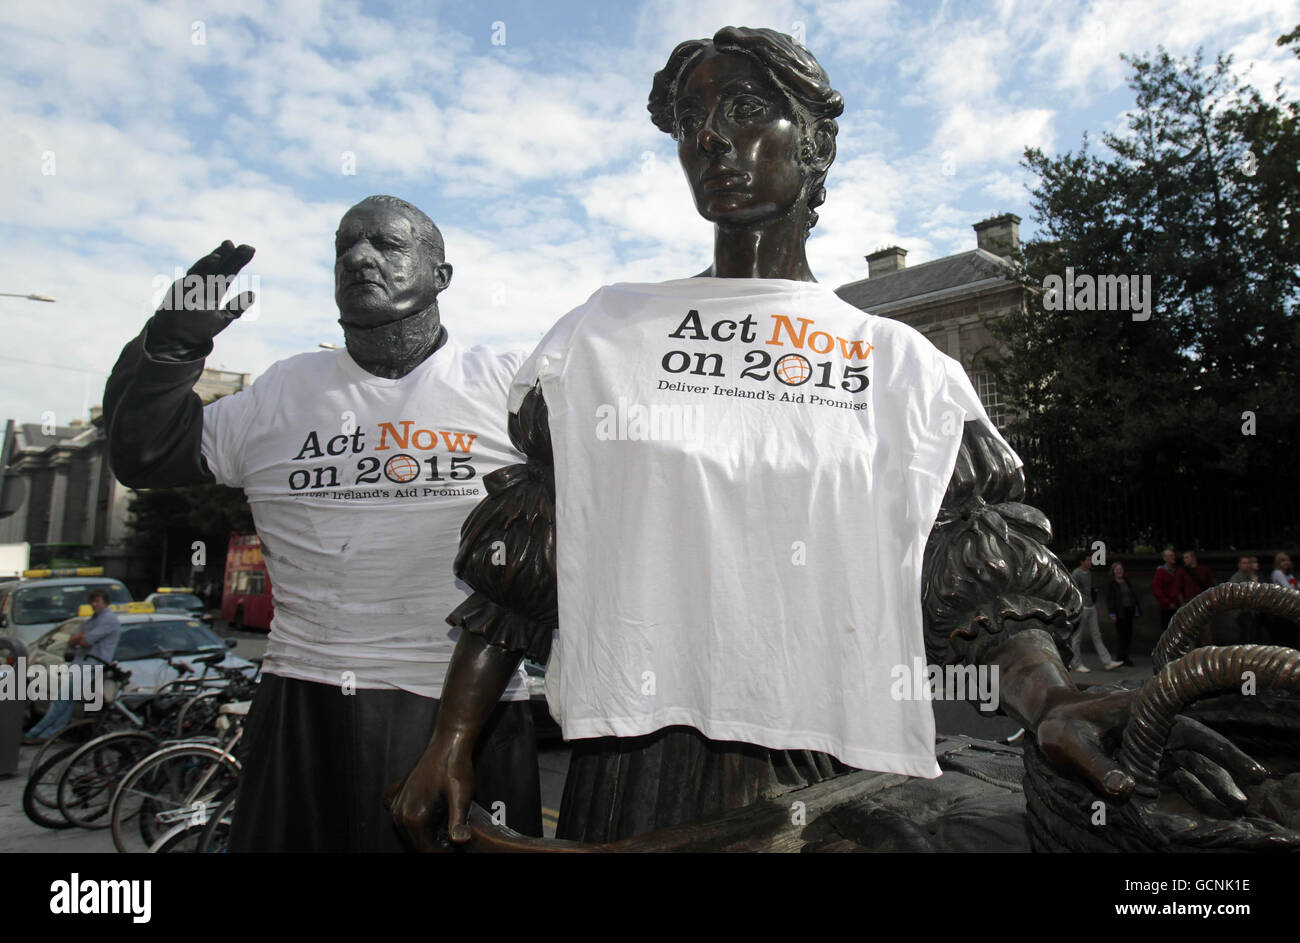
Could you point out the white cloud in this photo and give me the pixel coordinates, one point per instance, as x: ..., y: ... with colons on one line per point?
x: 1082, y: 50
x: 959, y: 61
x: 1005, y: 187
x: 662, y: 24
x: 976, y: 136
x: 529, y: 156
x: 649, y: 202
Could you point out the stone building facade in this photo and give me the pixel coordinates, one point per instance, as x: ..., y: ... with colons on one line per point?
x: 951, y: 300
x: 58, y: 494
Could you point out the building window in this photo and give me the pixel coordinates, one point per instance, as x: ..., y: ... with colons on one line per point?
x: 986, y: 385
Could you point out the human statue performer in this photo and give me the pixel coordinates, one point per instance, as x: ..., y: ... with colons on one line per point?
x: 719, y: 539
x: 360, y: 466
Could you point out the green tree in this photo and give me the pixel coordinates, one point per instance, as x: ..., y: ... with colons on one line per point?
x: 1133, y: 429
x: 165, y: 523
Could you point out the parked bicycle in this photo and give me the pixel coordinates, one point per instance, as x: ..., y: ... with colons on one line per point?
x: 166, y: 802
x: 74, y: 785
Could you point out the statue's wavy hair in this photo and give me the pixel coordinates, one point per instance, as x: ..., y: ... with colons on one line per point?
x: 790, y: 67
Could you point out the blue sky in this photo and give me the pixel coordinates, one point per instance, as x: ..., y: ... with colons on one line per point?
x: 136, y: 136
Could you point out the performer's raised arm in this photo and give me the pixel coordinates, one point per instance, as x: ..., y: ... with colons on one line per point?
x: 153, y: 417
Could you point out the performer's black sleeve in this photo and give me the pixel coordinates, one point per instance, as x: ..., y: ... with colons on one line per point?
x: 987, y: 573
x: 507, y: 545
x: 154, y: 419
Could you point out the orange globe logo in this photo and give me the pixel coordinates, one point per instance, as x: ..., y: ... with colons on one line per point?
x: 401, y: 468
x: 793, y: 369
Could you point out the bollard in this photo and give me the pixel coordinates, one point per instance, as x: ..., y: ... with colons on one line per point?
x: 13, y: 707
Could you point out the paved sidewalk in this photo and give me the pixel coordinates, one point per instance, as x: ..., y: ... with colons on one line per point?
x: 1141, y: 671
x: 18, y: 833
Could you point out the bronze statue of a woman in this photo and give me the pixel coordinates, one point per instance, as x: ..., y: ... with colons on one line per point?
x: 728, y: 599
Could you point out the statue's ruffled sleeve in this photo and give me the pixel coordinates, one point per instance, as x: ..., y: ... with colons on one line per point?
x: 987, y: 573
x: 507, y: 545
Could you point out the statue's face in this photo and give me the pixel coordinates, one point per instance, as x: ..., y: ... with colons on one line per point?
x: 738, y: 142
x: 382, y: 272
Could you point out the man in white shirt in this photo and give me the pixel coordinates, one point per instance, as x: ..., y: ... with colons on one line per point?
x: 1082, y: 577
x: 360, y: 466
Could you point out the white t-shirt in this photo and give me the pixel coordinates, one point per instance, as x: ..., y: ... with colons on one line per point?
x: 747, y: 471
x: 359, y: 486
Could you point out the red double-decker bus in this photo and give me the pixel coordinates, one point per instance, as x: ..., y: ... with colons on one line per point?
x: 246, y: 596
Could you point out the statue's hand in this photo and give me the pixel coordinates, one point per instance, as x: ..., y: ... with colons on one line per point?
x: 1208, y: 769
x: 191, y: 314
x: 441, y: 784
x: 1070, y: 735
x: 1204, y: 766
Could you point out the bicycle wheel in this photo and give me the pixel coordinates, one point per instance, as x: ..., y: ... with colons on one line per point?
x: 216, y: 835
x: 167, y: 701
x: 182, y: 784
x: 172, y: 696
x: 87, y: 784
x: 179, y: 839
x: 73, y: 735
x: 41, y: 794
x: 198, y: 716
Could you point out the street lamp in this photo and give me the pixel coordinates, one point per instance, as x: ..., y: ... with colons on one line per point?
x: 10, y: 294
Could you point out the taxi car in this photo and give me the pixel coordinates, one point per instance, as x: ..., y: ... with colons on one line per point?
x: 179, y: 598
x: 33, y: 605
x: 149, y: 639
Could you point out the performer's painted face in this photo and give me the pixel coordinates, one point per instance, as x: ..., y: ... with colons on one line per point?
x: 382, y: 272
x: 737, y: 141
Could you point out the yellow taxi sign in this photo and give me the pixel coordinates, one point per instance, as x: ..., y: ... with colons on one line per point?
x: 175, y: 589
x: 131, y: 608
x: 63, y: 571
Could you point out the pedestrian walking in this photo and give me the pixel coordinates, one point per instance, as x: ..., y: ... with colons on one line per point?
x: 1194, y: 579
x: 1248, y: 626
x: 1123, y: 606
x: 1164, y: 586
x: 1082, y: 577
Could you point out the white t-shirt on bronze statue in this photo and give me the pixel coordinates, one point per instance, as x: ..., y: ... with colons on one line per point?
x: 359, y: 486
x: 747, y: 471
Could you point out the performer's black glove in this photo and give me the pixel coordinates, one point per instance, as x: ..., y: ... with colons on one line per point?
x: 191, y: 314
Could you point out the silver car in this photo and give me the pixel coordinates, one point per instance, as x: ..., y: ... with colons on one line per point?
x: 148, y: 640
